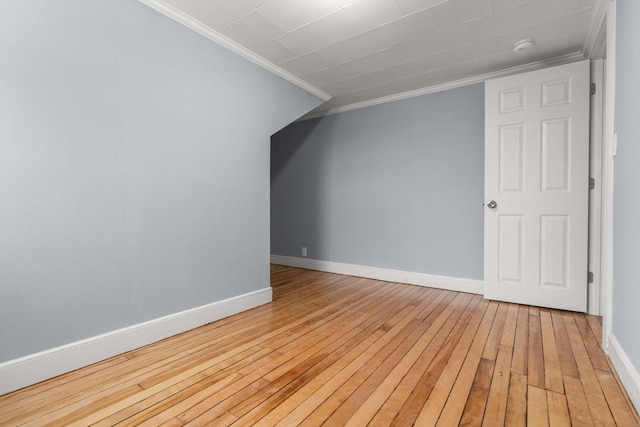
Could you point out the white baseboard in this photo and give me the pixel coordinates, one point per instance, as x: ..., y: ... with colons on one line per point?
x: 31, y: 369
x: 628, y: 374
x: 412, y: 278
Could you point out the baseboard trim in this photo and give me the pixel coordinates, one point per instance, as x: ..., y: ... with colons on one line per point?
x: 388, y: 275
x: 629, y: 375
x: 31, y: 369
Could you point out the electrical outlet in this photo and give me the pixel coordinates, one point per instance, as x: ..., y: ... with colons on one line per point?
x: 304, y: 251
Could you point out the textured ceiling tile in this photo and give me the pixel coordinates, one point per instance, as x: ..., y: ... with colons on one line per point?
x: 340, y: 52
x: 238, y: 7
x: 274, y: 52
x: 302, y: 40
x: 454, y: 12
x: 287, y: 14
x: 437, y: 60
x: 365, y: 65
x: 251, y: 29
x: 405, y: 69
x: 568, y: 25
x: 370, y: 42
x: 210, y: 14
x: 536, y: 12
x: 326, y: 7
x: 487, y: 26
x: 411, y: 27
x: 476, y: 49
x: 447, y: 74
x: 305, y: 65
x: 411, y: 6
x: 369, y: 14
x: 498, y: 6
x: 416, y: 48
x: 452, y: 37
x: 335, y: 27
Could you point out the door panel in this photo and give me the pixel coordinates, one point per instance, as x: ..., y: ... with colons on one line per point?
x: 536, y: 170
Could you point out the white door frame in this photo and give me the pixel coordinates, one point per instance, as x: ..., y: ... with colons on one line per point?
x: 595, y: 194
x: 609, y: 149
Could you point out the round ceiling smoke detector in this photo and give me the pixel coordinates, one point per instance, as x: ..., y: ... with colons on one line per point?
x: 523, y: 46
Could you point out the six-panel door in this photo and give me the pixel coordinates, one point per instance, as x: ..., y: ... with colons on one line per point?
x: 536, y: 170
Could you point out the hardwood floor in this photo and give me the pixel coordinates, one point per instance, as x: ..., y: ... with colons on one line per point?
x: 349, y: 351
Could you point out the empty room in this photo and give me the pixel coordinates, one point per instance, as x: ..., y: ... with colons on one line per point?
x: 319, y: 212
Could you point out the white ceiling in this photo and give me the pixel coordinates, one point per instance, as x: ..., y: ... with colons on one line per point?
x: 360, y: 50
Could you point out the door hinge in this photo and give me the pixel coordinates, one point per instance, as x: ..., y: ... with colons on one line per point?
x: 592, y: 183
x: 593, y: 88
x: 589, y: 277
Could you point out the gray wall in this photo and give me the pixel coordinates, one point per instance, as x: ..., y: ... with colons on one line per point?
x: 398, y: 185
x: 135, y: 169
x: 626, y: 207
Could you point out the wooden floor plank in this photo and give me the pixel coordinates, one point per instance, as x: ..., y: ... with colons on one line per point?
x: 567, y: 361
x: 496, y: 410
x: 558, y: 410
x: 598, y: 359
x: 495, y: 336
x: 595, y: 398
x: 517, y: 401
x: 535, y: 369
x: 342, y: 350
x: 552, y: 371
x: 622, y: 413
x: 476, y: 401
x: 519, y: 363
x: 577, y: 402
x: 537, y: 409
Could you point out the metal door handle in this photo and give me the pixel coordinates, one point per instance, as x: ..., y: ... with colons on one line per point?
x: 492, y: 204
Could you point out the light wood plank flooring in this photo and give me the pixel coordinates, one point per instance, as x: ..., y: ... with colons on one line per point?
x: 339, y: 350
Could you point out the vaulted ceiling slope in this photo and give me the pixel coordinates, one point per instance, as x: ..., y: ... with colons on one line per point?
x: 363, y: 50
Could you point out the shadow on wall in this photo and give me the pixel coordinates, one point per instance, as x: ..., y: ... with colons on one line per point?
x: 303, y: 183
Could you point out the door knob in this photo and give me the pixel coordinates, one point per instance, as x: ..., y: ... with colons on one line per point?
x: 492, y: 204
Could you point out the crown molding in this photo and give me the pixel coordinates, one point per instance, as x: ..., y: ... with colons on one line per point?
x: 596, y: 41
x: 223, y: 41
x: 532, y: 66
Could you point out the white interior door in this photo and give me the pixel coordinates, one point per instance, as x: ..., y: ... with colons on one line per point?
x: 537, y: 176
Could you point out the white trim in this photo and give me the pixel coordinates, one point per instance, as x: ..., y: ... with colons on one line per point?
x: 386, y: 274
x: 27, y: 370
x: 606, y: 256
x: 595, y: 195
x: 629, y: 375
x: 202, y: 29
x: 560, y: 60
x: 596, y: 40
